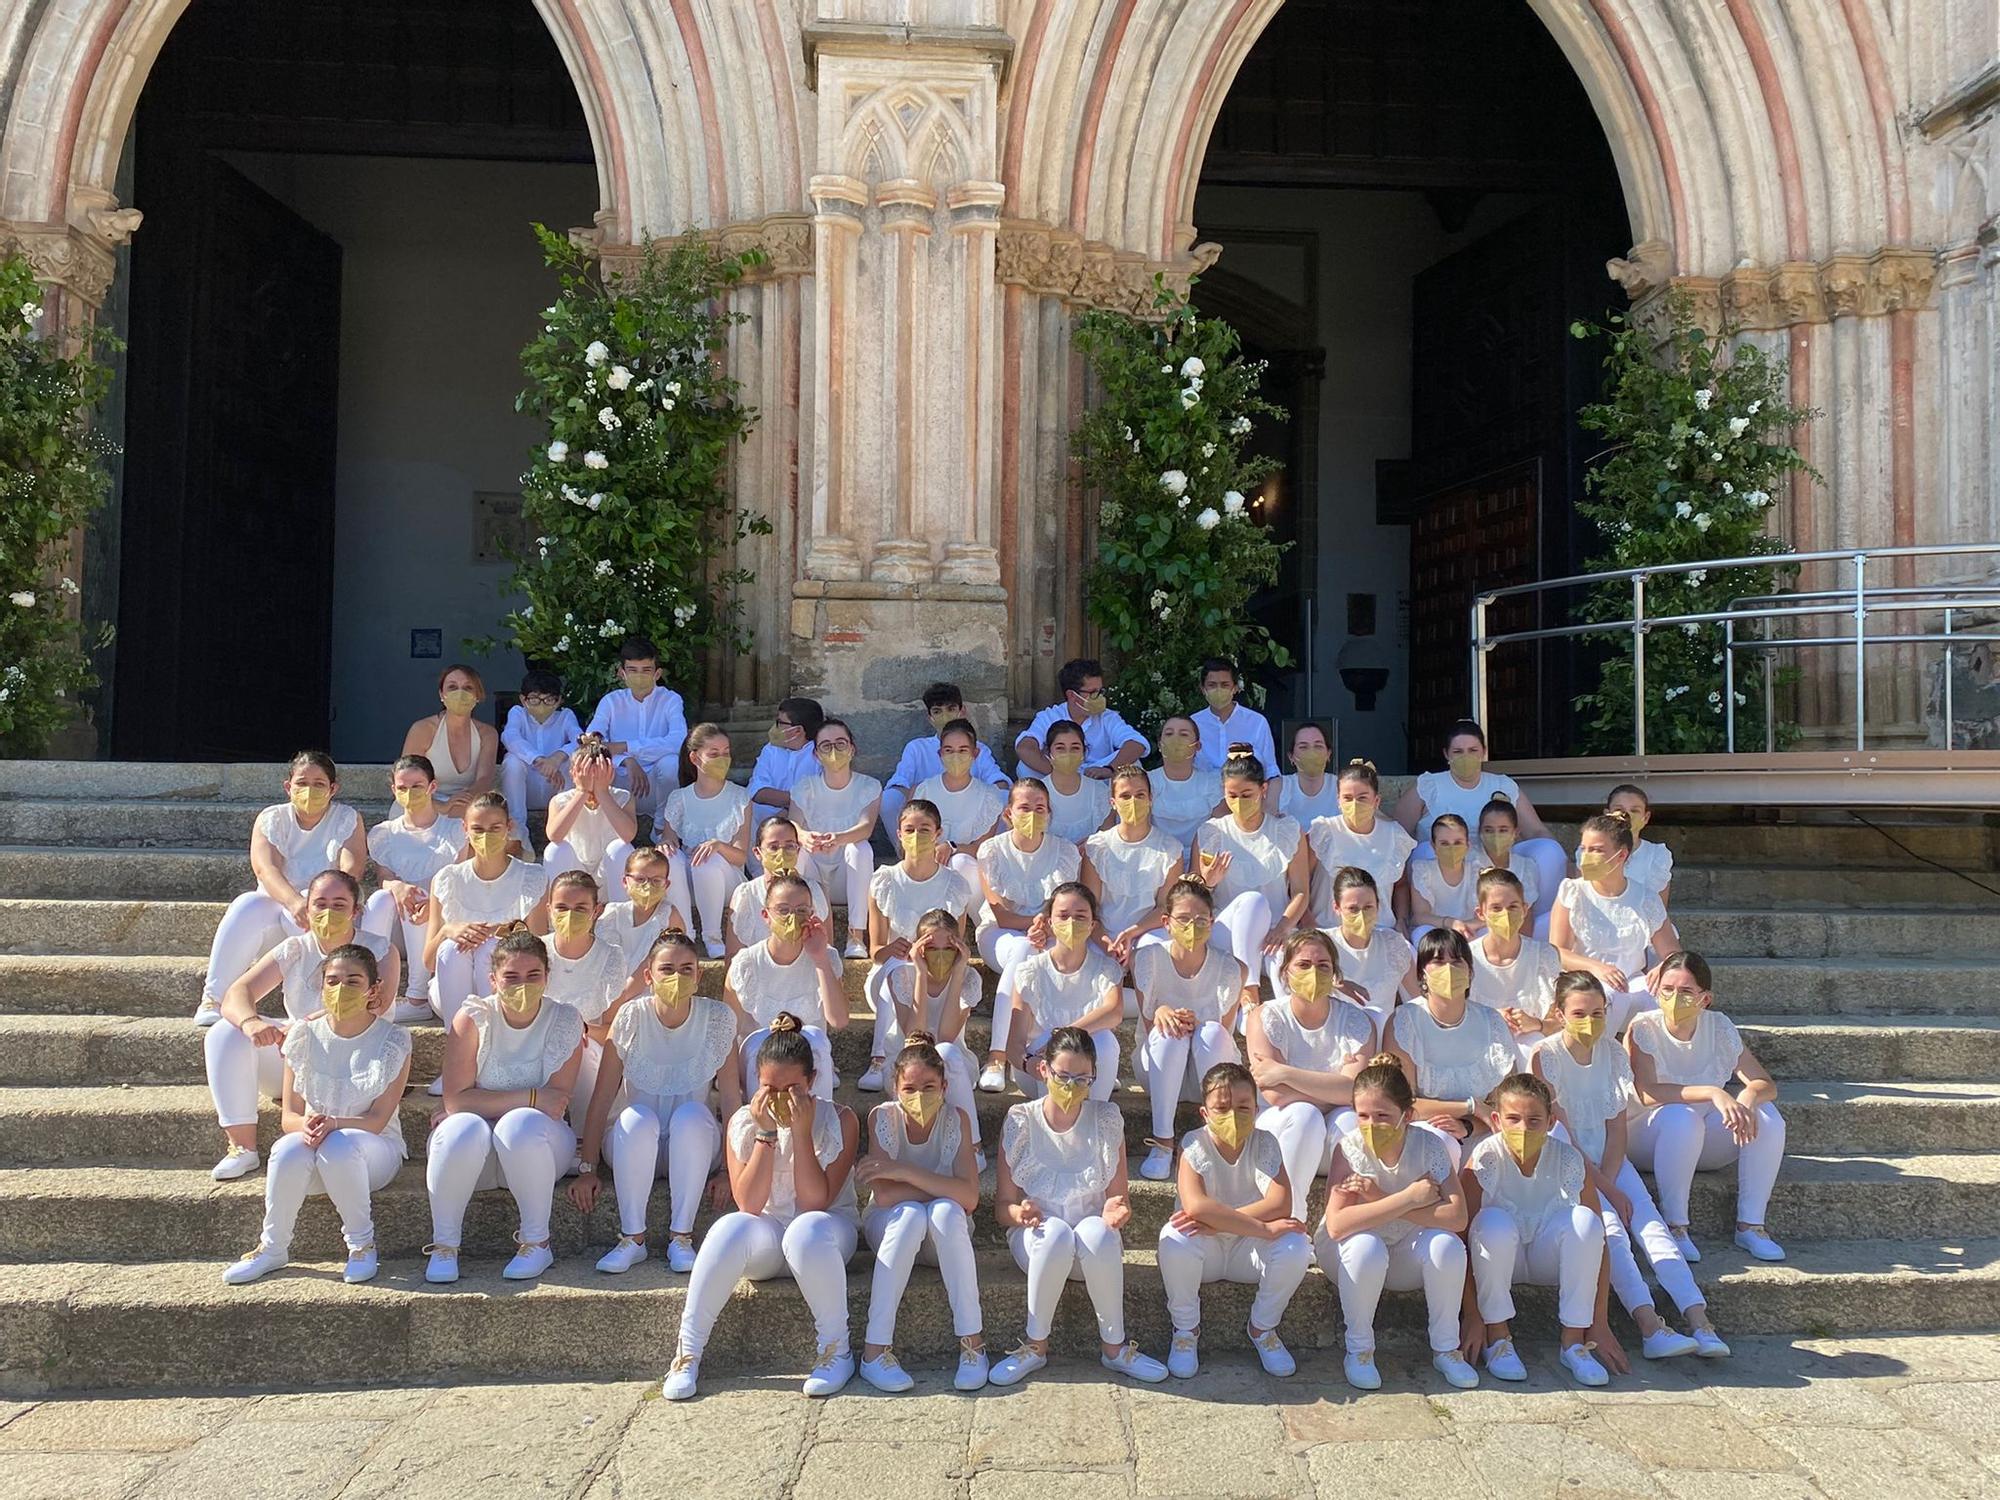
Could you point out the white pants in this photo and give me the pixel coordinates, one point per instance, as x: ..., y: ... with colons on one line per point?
x: 640, y: 1147
x: 858, y: 862
x: 1621, y: 1006
x: 416, y: 975
x: 824, y: 1077
x: 587, y: 1069
x: 1564, y: 1253
x: 239, y: 1071
x: 460, y: 975
x: 1102, y: 1086
x: 609, y: 871
x: 254, y: 924
x: 348, y: 1166
x: 1004, y: 950
x: 1274, y: 1267
x: 1307, y: 1136
x: 661, y: 780
x: 888, y: 1035
x: 1164, y: 1066
x: 1245, y: 922
x: 1365, y: 1265
x: 1669, y: 1266
x: 712, y: 883
x: 937, y: 1233
x: 524, y: 1149
x: 814, y: 1247
x: 1054, y: 1252
x: 525, y: 787
x: 968, y: 869
x: 1675, y: 1141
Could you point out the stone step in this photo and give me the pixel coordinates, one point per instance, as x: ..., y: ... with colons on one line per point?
x: 31, y: 873
x: 1906, y: 1047
x: 223, y: 825
x: 1837, y: 933
x: 1953, y: 986
x: 1764, y: 887
x: 1962, y: 843
x: 91, y: 984
x: 68, y: 1325
x: 113, y: 781
x: 109, y: 928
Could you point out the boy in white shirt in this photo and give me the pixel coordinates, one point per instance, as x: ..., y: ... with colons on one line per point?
x: 539, y: 737
x: 1108, y: 741
x: 643, y: 725
x: 787, y: 757
x: 943, y: 704
x: 1226, y: 722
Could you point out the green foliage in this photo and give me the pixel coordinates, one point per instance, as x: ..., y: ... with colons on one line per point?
x: 52, y: 479
x: 1699, y: 452
x: 1179, y: 552
x: 626, y: 507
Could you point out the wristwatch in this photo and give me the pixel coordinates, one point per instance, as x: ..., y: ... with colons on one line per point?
x: 586, y: 1169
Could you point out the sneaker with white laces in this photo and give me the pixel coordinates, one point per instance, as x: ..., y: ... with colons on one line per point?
x: 1665, y: 1343
x: 442, y: 1268
x: 855, y: 949
x: 1129, y: 1361
x: 529, y: 1262
x: 1272, y: 1353
x: 1158, y: 1165
x: 834, y: 1369
x: 1451, y: 1364
x: 1759, y: 1244
x: 362, y: 1265
x: 259, y: 1262
x: 622, y: 1256
x: 681, y: 1377
x: 1708, y: 1344
x: 409, y: 1010
x: 240, y: 1162
x: 1583, y: 1365
x: 973, y: 1369
x: 1684, y: 1242
x: 1013, y: 1368
x: 715, y: 949
x: 885, y: 1374
x: 870, y: 1082
x: 1502, y: 1363
x: 993, y: 1080
x: 680, y: 1254
x: 1184, y: 1353
x: 1359, y: 1368
x: 208, y: 1012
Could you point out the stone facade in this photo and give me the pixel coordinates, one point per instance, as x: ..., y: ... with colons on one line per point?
x: 943, y: 184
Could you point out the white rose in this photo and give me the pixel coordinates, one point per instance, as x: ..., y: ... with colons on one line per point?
x: 558, y: 452
x: 595, y: 502
x: 1232, y: 502
x: 1192, y: 366
x: 596, y: 354
x: 595, y: 460
x: 23, y: 598
x: 1174, y: 482
x: 1702, y: 521
x: 1738, y: 426
x: 619, y: 378
x: 1683, y: 510
x: 1209, y: 519
x: 1189, y: 398
x: 1702, y: 399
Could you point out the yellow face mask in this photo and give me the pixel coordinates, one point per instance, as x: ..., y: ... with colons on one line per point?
x: 917, y: 845
x: 1506, y: 923
x: 330, y: 927
x: 310, y: 800
x: 1219, y: 698
x: 1029, y: 825
x: 645, y: 892
x: 413, y: 798
x: 1176, y: 752
x: 1231, y: 1127
x: 922, y: 1107
x: 1638, y: 820
x: 956, y: 762
x: 671, y: 989
x: 1496, y: 843
x: 1131, y: 810
x: 1450, y: 857
x: 572, y: 924
x: 521, y: 998
x: 1187, y: 931
x: 940, y: 717
x: 716, y: 767
x: 1245, y: 805
x: 1680, y: 1007
x: 835, y: 757
x: 1585, y: 1029
x: 787, y: 925
x: 780, y: 861
x: 459, y: 701
x: 490, y: 843
x: 1465, y: 765
x: 1095, y: 704
x: 781, y: 1108
x: 541, y: 713
x: 1357, y: 927
x: 1379, y: 1139
x: 1067, y: 1096
x: 1310, y: 983
x: 1070, y: 932
x: 1593, y: 866
x: 1310, y: 762
x: 777, y: 734
x: 1355, y: 811
x: 1066, y: 762
x: 1523, y: 1142
x: 343, y: 1001
x: 940, y: 962
x: 1447, y: 980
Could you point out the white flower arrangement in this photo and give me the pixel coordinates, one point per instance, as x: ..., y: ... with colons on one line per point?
x: 558, y: 452
x: 596, y: 354
x: 1192, y: 368
x: 1738, y: 426
x: 1209, y: 518
x: 1232, y: 503
x: 1174, y: 482
x: 619, y: 378
x: 595, y: 460
x: 609, y: 420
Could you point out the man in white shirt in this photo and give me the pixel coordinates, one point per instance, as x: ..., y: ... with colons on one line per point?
x: 1226, y: 722
x: 944, y: 703
x: 1108, y: 741
x: 539, y: 737
x: 643, y: 725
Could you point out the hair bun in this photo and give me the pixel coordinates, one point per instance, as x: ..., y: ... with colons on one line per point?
x: 1384, y: 1060
x: 920, y: 1039
x: 1618, y: 815
x: 1242, y: 747
x: 1501, y: 797
x: 785, y: 1021
x: 1365, y: 764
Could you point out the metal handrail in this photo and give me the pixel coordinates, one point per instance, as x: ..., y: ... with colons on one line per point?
x: 1856, y: 601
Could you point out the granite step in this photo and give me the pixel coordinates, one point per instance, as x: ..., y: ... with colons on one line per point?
x: 1960, y: 842
x: 1929, y: 985
x: 213, y: 825
x: 110, y: 782
x: 79, y: 874
x: 1782, y: 887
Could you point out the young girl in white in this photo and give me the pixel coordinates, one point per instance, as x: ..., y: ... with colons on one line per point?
x: 592, y: 825
x: 407, y: 851
x: 1444, y: 890
x: 1189, y: 991
x: 898, y: 897
x: 651, y: 905
x: 922, y: 1184
x: 666, y: 1052
x: 1535, y: 1218
x: 464, y: 752
x: 1511, y: 973
x: 1256, y: 861
x: 1079, y: 805
x: 1070, y: 985
x: 1603, y: 923
x: 1650, y: 864
x: 1060, y: 1194
x: 472, y: 900
x: 969, y: 806
x: 290, y: 843
x: 588, y: 972
x: 343, y: 1133
x: 1684, y: 1057
x: 836, y: 811
x: 510, y: 1062
x: 1233, y: 1222
x: 790, y: 1154
x: 795, y: 970
x: 1395, y: 1211
x: 1017, y: 871
x: 1371, y: 953
x: 1499, y: 830
x: 242, y: 1054
x: 1129, y: 867
x: 778, y: 851
x: 707, y: 825
x: 1593, y: 1086
x: 1358, y: 836
x: 1465, y: 789
x: 1454, y: 1052
x: 934, y: 993
x: 1184, y: 795
x: 1305, y: 1047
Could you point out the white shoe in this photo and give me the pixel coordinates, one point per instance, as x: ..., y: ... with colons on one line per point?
x: 259, y: 1262
x: 443, y: 1267
x: 1158, y: 1165
x: 362, y: 1265
x: 855, y: 949
x: 680, y: 1381
x: 436, y: 1088
x: 1272, y: 1353
x: 1502, y: 1363
x: 713, y: 948
x: 1759, y: 1244
x: 680, y: 1254
x: 1581, y: 1363
x: 979, y: 1163
x: 622, y: 1256
x: 870, y: 1082
x: 1013, y: 1368
x: 1708, y: 1344
x: 1664, y: 1343
x: 1359, y: 1367
x: 208, y: 1012
x: 1184, y: 1354
x: 529, y: 1263
x: 409, y: 1010
x: 1451, y: 1364
x: 885, y: 1374
x: 1129, y: 1361
x: 240, y: 1162
x: 972, y: 1370
x: 1684, y: 1242
x: 994, y: 1079
x: 834, y: 1370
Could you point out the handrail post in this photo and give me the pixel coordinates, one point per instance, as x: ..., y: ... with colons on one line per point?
x: 1860, y: 650
x: 1479, y: 663
x: 1950, y: 723
x: 1639, y: 664
x: 1729, y: 685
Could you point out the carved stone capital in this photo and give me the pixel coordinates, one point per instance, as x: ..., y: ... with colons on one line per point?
x: 1796, y: 293
x: 1088, y: 273
x: 786, y: 241
x: 78, y: 260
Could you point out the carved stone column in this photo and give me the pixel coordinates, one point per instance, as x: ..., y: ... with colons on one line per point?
x: 975, y: 225
x: 907, y: 205
x: 831, y: 551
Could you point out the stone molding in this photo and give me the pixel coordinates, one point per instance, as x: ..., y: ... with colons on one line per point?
x: 786, y: 241
x: 81, y: 259
x: 880, y: 40
x: 1764, y: 299
x: 1055, y: 262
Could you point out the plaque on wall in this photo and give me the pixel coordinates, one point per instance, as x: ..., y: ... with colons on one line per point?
x: 498, y: 533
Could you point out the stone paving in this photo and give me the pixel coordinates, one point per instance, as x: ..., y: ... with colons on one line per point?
x: 1831, y: 1419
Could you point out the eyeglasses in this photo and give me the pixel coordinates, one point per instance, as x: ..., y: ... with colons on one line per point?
x: 1073, y: 1080
x: 825, y: 745
x: 541, y: 700
x: 791, y: 911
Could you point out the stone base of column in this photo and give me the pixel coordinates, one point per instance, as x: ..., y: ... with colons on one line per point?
x: 833, y: 557
x: 969, y: 562
x: 901, y: 560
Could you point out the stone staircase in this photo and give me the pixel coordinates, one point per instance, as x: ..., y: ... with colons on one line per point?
x: 1868, y: 980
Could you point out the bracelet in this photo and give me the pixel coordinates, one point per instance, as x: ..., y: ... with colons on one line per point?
x: 767, y: 1138
x: 531, y: 1098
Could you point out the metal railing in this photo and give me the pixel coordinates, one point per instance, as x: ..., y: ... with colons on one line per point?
x: 1858, y: 601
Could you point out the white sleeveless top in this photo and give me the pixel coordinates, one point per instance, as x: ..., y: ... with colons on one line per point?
x: 451, y: 778
x: 415, y: 854
x: 1556, y: 1187
x: 1208, y: 992
x: 1324, y: 1048
x: 1440, y: 793
x: 746, y: 909
x: 344, y: 1076
x: 463, y: 897
x: 1131, y: 873
x: 903, y: 900
x: 305, y: 852
x: 1383, y: 852
x: 1379, y: 968
x: 1076, y: 816
x: 1466, y: 1061
x: 669, y: 1063
x: 765, y: 987
x: 1068, y: 1173
x: 1453, y: 903
x: 1650, y: 865
x: 1058, y: 999
x: 633, y: 937
x: 1424, y: 1155
x: 968, y: 814
x: 299, y: 960
x: 905, y: 985
x: 1708, y: 1059
x: 1612, y: 929
x: 522, y: 1057
x: 1023, y: 880
x: 1304, y: 810
x: 889, y: 1130
x: 1239, y: 1183
x: 783, y: 1202
x: 1180, y: 807
x: 696, y: 819
x: 590, y: 832
x: 819, y: 808
x: 589, y: 984
x: 1591, y: 1094
x: 1526, y: 982
x: 1258, y: 859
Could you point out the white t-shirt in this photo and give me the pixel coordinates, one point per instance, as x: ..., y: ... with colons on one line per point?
x: 697, y: 820
x: 412, y: 854
x: 1556, y: 1186
x: 1440, y: 792
x: 344, y: 1076
x: 1650, y: 865
x: 1131, y: 873
x: 304, y: 852
x: 1379, y: 968
x: 1466, y: 1061
x: 1023, y: 879
x: 666, y: 1064
x: 1075, y: 816
x: 1059, y: 999
x: 1259, y: 858
x: 827, y: 1143
x: 1591, y: 1094
x: 1452, y: 903
x: 969, y: 813
x: 463, y: 897
x: 1065, y: 1173
x: 1304, y: 810
x: 1527, y: 982
x: 1325, y: 1048
x: 819, y: 808
x: 1383, y: 851
x: 1180, y: 807
x: 746, y: 909
x: 1233, y: 1184
x: 1612, y: 929
x: 521, y: 1057
x: 765, y: 987
x: 1424, y: 1155
x: 589, y: 984
x: 1709, y: 1059
x: 1208, y: 992
x: 299, y: 959
x: 903, y: 900
x: 590, y: 834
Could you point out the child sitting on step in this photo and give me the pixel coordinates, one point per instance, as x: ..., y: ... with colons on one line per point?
x: 407, y: 851
x: 777, y: 851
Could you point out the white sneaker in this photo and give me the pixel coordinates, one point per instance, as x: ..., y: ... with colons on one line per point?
x: 1684, y: 1242
x: 436, y: 1087
x: 1708, y: 1344
x: 622, y: 1256
x: 680, y: 1254
x: 1158, y: 1165
x: 208, y: 1012
x: 240, y: 1162
x: 885, y: 1374
x: 1013, y: 1368
x: 979, y: 1163
x: 994, y: 1079
x: 409, y: 1010
x: 834, y: 1370
x: 1359, y: 1367
x: 1759, y: 1244
x: 972, y: 1369
x: 443, y: 1267
x: 1129, y: 1361
x: 1582, y: 1364
x: 529, y: 1263
x: 1184, y: 1354
x: 713, y: 948
x: 362, y: 1265
x: 259, y: 1262
x: 1272, y: 1353
x: 681, y: 1378
x: 870, y: 1082
x: 1451, y: 1364
x: 855, y: 949
x: 1664, y: 1343
x: 1502, y: 1363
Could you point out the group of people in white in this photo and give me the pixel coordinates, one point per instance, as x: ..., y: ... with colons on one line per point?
x: 1477, y: 1048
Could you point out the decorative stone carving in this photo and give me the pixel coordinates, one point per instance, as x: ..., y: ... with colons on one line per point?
x: 76, y: 260
x: 1056, y: 262
x: 786, y: 241
x: 1644, y: 268
x: 1762, y: 299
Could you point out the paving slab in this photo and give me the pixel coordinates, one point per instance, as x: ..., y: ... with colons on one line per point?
x: 253, y: 1460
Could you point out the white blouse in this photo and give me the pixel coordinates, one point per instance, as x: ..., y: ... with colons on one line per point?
x: 819, y: 808
x: 1058, y: 999
x: 1131, y: 872
x: 300, y: 959
x: 589, y: 984
x: 305, y: 852
x: 620, y: 923
x: 669, y: 1063
x: 1466, y: 1061
x: 463, y: 897
x: 904, y: 984
x: 1708, y: 1059
x: 414, y: 854
x: 746, y: 909
x: 590, y: 834
x: 1452, y: 903
x: 904, y: 900
x: 1024, y: 880
x: 889, y: 1128
x: 344, y: 1076
x: 765, y: 987
x: 521, y: 1057
x: 1591, y: 1094
x: 697, y: 820
x: 1424, y: 1155
x: 783, y: 1202
x: 1379, y: 968
x: 1077, y: 815
x: 1303, y: 810
x: 1527, y: 982
x: 968, y: 814
x: 1650, y: 865
x: 1383, y: 852
x: 1612, y: 929
x: 1239, y: 1183
x: 1067, y: 1174
x: 1440, y: 793
x: 1208, y: 992
x: 1325, y: 1048
x: 1556, y: 1186
x: 1180, y: 807
x: 1259, y: 859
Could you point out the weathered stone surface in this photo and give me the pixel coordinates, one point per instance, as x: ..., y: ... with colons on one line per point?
x: 1857, y: 1463
x: 1190, y: 1442
x: 893, y: 1471
x: 1049, y: 1419
x: 252, y: 1460
x: 136, y: 1424
x: 1683, y: 1438
x: 526, y: 1440
x: 1555, y: 1460
x: 1394, y: 1470
x: 73, y: 1476
x: 745, y: 1445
